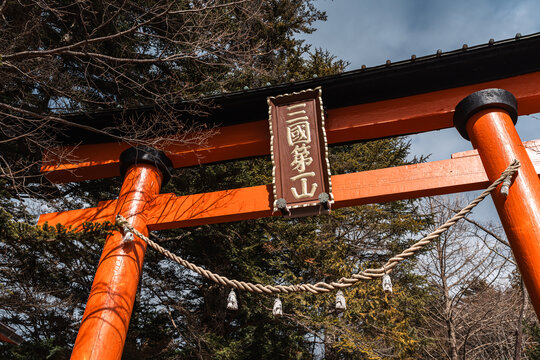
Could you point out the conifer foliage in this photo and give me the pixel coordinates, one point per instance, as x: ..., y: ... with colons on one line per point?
x: 58, y: 57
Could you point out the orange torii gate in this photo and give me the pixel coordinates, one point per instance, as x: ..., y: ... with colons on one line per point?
x: 413, y: 96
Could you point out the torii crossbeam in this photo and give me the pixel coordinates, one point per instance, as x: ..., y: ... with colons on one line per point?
x: 408, y: 97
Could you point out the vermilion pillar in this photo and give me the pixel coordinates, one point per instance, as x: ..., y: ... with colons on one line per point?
x: 487, y: 118
x: 106, y: 318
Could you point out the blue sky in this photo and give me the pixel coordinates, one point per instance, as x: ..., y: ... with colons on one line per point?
x: 370, y: 32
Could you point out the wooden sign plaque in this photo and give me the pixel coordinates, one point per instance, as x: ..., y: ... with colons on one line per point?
x: 301, y: 171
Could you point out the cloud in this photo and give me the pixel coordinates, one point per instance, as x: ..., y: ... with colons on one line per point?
x: 369, y: 32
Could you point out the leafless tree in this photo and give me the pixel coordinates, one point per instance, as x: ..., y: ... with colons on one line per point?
x: 478, y: 306
x: 60, y: 57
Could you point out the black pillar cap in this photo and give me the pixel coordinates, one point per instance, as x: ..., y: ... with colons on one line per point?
x: 480, y: 100
x: 146, y: 155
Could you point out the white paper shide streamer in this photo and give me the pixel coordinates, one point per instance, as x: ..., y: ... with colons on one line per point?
x: 232, y: 303
x: 387, y: 284
x: 341, y: 303
x: 277, y: 310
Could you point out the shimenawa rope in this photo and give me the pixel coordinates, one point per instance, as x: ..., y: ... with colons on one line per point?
x: 322, y: 287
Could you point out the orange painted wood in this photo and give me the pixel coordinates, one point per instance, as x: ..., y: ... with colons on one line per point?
x: 106, y: 318
x: 493, y: 134
x: 105, y: 211
x: 412, y: 114
x: 6, y: 339
x: 7, y: 334
x: 462, y: 173
x: 89, y: 162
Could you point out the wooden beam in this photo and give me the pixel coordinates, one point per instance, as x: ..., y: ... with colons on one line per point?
x: 412, y: 114
x: 463, y: 172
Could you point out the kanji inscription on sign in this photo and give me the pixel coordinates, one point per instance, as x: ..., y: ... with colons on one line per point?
x: 301, y: 172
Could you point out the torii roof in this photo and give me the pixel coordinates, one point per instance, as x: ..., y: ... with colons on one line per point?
x: 442, y: 70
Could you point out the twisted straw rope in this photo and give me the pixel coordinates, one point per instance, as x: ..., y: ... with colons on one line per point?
x: 322, y: 287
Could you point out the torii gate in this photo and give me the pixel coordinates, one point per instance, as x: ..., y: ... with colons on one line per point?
x: 412, y: 96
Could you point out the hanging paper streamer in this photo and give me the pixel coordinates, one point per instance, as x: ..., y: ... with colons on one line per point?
x: 277, y: 309
x: 232, y: 303
x: 387, y: 284
x: 341, y: 303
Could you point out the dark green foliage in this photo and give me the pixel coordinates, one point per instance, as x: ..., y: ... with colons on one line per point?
x: 45, y: 275
x: 281, y: 251
x: 533, y: 330
x: 180, y: 315
x: 84, y: 56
